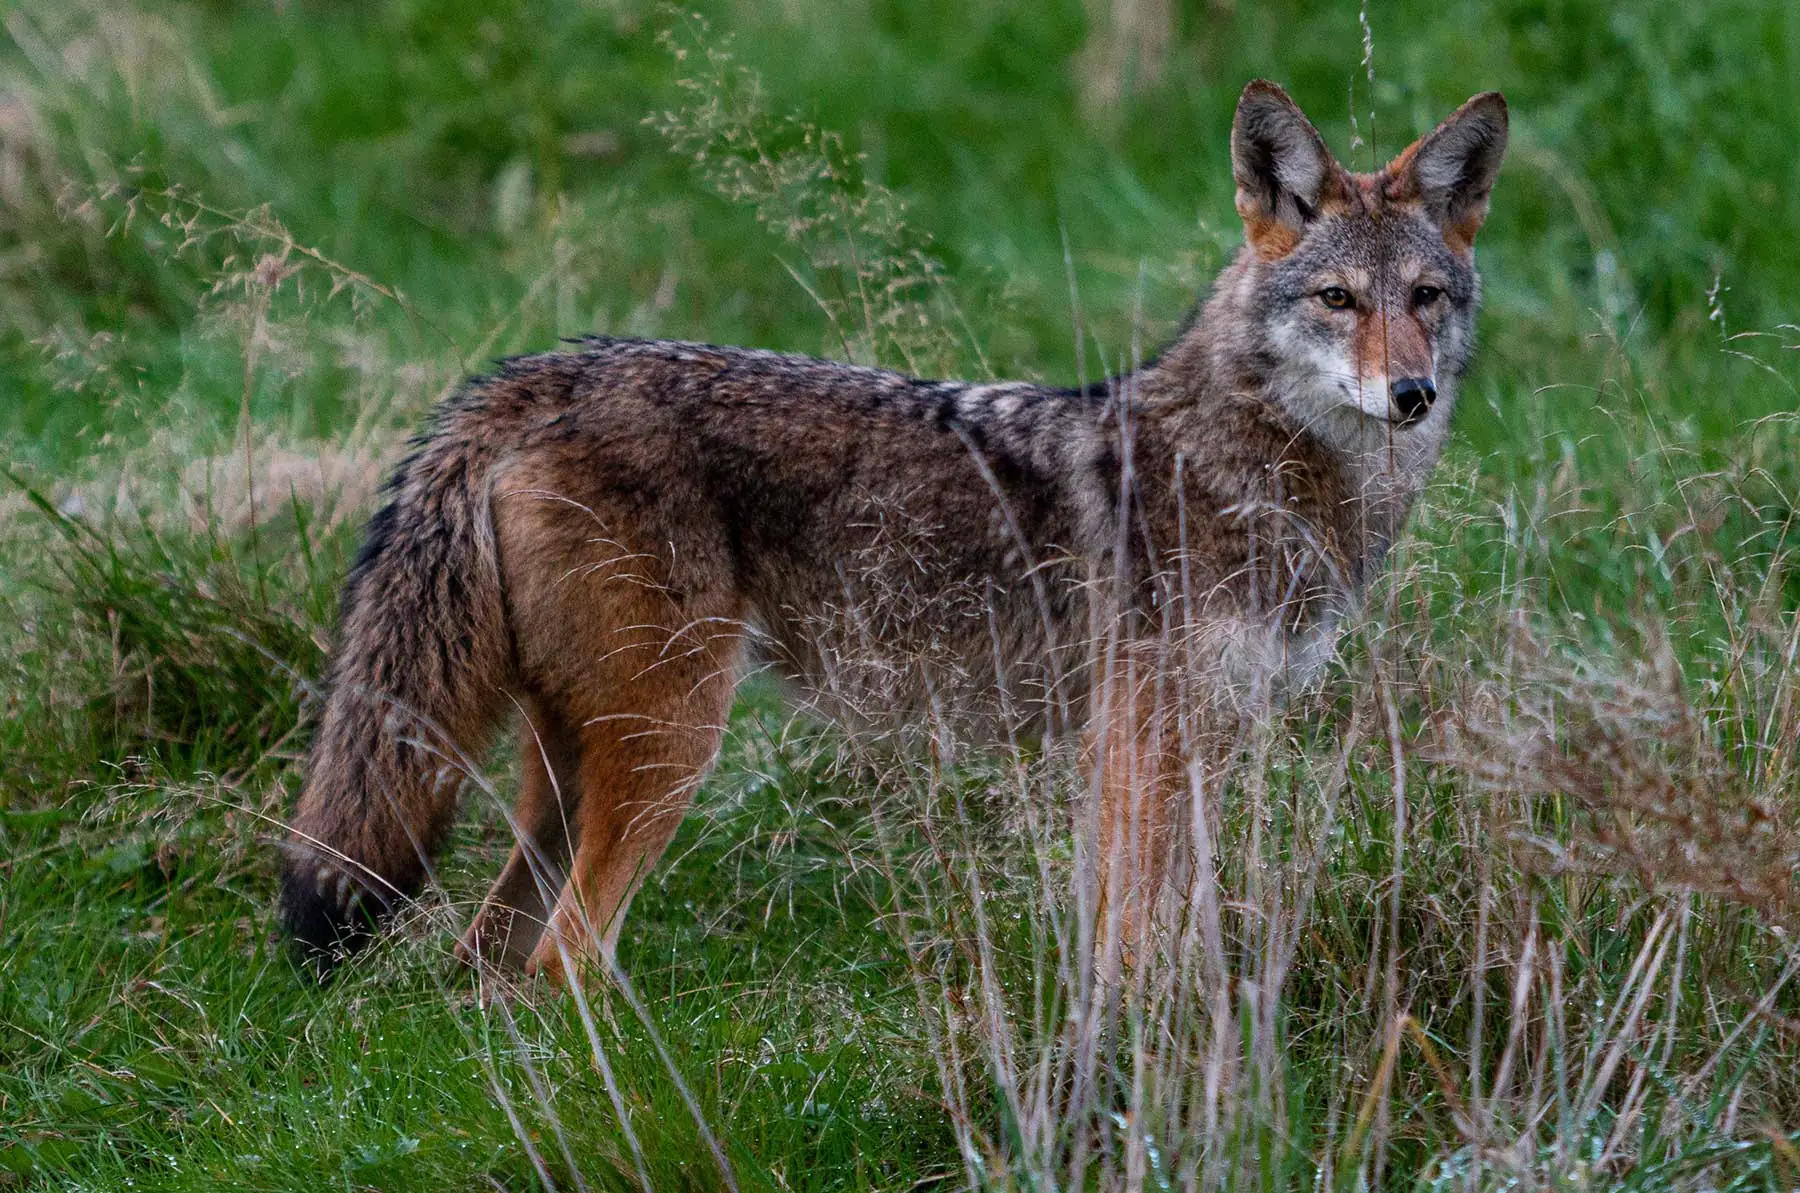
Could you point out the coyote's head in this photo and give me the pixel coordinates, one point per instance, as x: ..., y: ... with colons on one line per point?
x: 1357, y: 292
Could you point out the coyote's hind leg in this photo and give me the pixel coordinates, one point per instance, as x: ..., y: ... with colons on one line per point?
x: 513, y: 915
x: 628, y: 624
x: 642, y: 758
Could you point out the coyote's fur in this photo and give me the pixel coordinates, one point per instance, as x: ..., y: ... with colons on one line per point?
x: 598, y: 537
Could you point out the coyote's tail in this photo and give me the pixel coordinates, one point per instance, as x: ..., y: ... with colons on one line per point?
x: 419, y: 680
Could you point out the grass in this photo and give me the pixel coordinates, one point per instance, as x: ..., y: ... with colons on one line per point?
x: 1508, y: 905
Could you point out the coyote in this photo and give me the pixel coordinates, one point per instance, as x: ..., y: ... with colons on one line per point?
x: 601, y: 537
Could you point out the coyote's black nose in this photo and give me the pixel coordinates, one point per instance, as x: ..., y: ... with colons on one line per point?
x: 1413, y: 396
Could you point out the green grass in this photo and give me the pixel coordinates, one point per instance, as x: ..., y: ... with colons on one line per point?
x: 291, y: 227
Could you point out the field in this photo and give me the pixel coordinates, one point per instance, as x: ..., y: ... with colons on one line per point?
x: 1509, y: 904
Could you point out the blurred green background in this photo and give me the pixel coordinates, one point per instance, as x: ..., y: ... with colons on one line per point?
x: 458, y: 153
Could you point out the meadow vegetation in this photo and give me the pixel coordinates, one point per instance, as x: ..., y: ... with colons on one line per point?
x: 1509, y: 904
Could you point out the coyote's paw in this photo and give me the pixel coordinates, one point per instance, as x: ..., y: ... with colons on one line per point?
x: 547, y: 963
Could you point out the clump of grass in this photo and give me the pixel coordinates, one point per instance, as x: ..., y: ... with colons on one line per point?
x: 1661, y: 799
x: 203, y: 657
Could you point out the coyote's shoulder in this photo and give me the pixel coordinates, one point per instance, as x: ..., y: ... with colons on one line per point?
x: 607, y: 535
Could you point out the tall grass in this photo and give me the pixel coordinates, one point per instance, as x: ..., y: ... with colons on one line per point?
x: 1507, y: 904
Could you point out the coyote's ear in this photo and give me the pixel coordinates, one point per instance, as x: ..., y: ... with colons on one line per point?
x: 1283, y: 170
x: 1452, y: 169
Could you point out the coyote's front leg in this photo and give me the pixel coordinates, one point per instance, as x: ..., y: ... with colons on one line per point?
x: 1159, y: 735
x: 1138, y: 781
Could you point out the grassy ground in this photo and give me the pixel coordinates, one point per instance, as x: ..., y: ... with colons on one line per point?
x: 1509, y: 905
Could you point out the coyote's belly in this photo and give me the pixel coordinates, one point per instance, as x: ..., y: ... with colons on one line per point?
x: 911, y: 639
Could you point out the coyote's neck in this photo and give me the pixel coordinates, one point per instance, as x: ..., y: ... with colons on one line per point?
x: 1218, y: 353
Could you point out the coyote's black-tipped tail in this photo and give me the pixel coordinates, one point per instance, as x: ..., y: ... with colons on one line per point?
x: 418, y: 682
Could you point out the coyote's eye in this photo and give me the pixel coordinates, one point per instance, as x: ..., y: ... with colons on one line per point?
x: 1424, y: 296
x: 1337, y: 298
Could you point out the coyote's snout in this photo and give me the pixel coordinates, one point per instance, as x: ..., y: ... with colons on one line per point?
x: 599, y: 537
